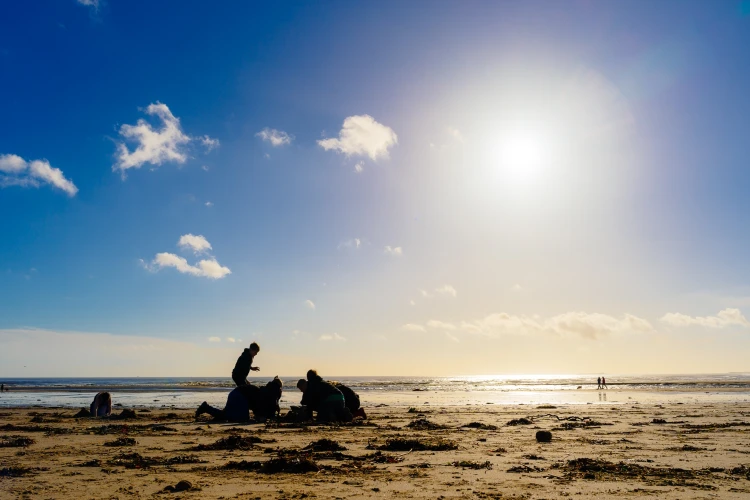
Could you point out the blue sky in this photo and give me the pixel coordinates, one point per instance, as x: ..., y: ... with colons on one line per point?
x: 441, y: 188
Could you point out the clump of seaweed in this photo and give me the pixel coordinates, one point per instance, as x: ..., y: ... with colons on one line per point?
x: 480, y: 425
x: 411, y: 444
x: 422, y: 424
x: 232, y: 442
x: 15, y: 441
x: 520, y: 421
x: 518, y: 469
x: 589, y: 468
x: 324, y: 445
x: 687, y: 447
x: 471, y: 464
x: 122, y: 441
x: 276, y: 465
x: 138, y: 461
x: 35, y: 428
x: 533, y: 457
x: 18, y: 471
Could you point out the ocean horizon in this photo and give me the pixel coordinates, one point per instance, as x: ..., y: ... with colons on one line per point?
x: 186, y: 392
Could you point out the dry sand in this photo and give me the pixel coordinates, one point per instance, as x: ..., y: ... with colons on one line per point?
x: 678, y: 451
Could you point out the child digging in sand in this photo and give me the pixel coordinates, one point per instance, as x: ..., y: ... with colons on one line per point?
x: 245, y: 364
x: 324, y: 398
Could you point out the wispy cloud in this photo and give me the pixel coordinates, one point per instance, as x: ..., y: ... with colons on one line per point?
x: 393, y: 251
x: 310, y: 304
x: 275, y: 137
x: 94, y: 4
x: 359, y: 167
x: 412, y: 327
x: 353, y: 243
x: 231, y: 340
x: 209, y: 204
x: 361, y: 135
x: 575, y: 324
x: 724, y: 319
x: 206, y: 268
x: 214, y: 339
x: 167, y: 144
x: 333, y: 336
x: 446, y: 290
x: 441, y: 325
x: 15, y: 171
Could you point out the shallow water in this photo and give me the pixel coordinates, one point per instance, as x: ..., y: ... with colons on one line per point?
x: 394, y: 391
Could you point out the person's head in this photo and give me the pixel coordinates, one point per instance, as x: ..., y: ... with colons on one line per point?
x: 254, y: 348
x: 313, y: 375
x: 302, y: 385
x: 275, y: 385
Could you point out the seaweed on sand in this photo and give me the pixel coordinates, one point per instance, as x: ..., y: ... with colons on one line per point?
x: 298, y: 465
x: 324, y: 445
x: 589, y: 468
x: 138, y: 461
x: 232, y: 442
x: 122, y: 441
x: 412, y: 444
x: 480, y: 425
x: 17, y: 471
x: 35, y: 428
x: 422, y: 424
x: 471, y: 464
x: 520, y: 421
x: 15, y: 441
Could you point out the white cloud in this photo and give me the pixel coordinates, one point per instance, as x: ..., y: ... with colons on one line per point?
x: 197, y: 244
x: 214, y: 339
x: 724, y: 319
x: 310, y: 304
x: 275, y: 137
x: 440, y: 325
x: 156, y: 146
x: 267, y: 156
x: 231, y: 339
x: 446, y: 290
x: 205, y: 168
x: 412, y: 327
x: 576, y: 324
x: 89, y: 3
x: 359, y: 167
x: 451, y: 337
x: 361, y: 135
x: 15, y: 171
x: 209, y: 143
x: 354, y: 243
x: 334, y: 336
x: 412, y: 303
x: 209, y: 204
x: 206, y: 268
x: 393, y: 251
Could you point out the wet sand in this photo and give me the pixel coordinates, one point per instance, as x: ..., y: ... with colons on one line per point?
x: 597, y: 451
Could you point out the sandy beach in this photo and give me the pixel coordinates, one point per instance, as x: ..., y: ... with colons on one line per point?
x: 677, y: 451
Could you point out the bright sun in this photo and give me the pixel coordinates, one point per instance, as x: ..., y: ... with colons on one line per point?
x: 522, y: 157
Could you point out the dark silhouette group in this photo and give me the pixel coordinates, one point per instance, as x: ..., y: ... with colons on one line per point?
x: 330, y: 401
x: 601, y: 383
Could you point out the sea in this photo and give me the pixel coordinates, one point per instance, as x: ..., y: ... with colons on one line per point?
x: 189, y: 392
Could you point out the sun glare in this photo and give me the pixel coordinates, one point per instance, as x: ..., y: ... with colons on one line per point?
x: 522, y: 157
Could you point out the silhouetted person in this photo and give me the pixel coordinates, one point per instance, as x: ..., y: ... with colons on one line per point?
x: 102, y: 405
x: 245, y: 364
x: 604, y: 383
x: 262, y: 401
x: 598, y: 382
x: 324, y: 398
x: 351, y: 398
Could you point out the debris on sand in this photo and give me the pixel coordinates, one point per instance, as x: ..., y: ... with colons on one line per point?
x: 470, y: 464
x: 122, y: 441
x: 15, y: 441
x: 533, y: 457
x: 82, y: 413
x: 422, y: 424
x: 232, y: 442
x: 17, y: 471
x: 47, y: 430
x: 518, y: 469
x: 543, y: 436
x: 480, y: 425
x: 687, y: 447
x: 137, y: 461
x: 276, y: 465
x: 405, y: 444
x: 589, y: 468
x: 520, y: 421
x: 126, y: 414
x: 181, y: 486
x: 324, y: 445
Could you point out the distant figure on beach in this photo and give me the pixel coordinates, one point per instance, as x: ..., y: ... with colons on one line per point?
x: 262, y: 401
x: 2, y: 387
x: 102, y: 405
x: 245, y: 364
x: 324, y: 398
x: 604, y: 383
x: 598, y: 382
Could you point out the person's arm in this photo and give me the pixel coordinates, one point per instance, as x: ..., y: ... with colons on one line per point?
x: 254, y: 368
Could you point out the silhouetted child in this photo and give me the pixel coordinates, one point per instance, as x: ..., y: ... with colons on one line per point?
x: 245, y: 364
x: 324, y: 398
x: 102, y: 405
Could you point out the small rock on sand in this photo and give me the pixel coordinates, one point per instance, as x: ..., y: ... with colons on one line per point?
x: 543, y: 436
